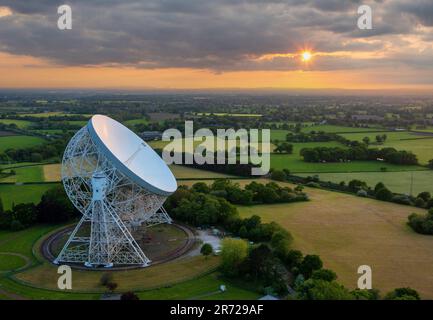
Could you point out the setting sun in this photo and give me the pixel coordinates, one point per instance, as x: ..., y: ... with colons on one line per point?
x: 306, y: 56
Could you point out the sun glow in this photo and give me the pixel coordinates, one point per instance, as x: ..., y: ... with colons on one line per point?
x: 306, y: 56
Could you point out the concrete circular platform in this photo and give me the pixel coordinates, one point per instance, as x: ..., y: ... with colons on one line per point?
x: 160, y: 243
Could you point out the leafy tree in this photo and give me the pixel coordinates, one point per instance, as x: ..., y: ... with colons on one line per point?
x: 379, y: 186
x: 55, y: 207
x: 206, y: 249
x: 201, y: 187
x: 379, y: 139
x: 356, y: 185
x: 363, y: 294
x: 278, y: 175
x: 233, y: 252
x: 112, y: 286
x: 426, y: 196
x: 280, y: 242
x: 25, y: 213
x: 366, y: 140
x: 384, y: 194
x: 419, y: 202
x: 309, y: 264
x: 313, y: 289
x: 403, y: 294
x: 422, y: 223
x: 293, y: 259
x: 324, y: 274
x: 106, y: 278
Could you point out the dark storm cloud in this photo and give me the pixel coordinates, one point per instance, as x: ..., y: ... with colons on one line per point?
x: 222, y: 35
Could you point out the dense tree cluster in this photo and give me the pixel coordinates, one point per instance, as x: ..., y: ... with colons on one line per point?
x: 54, y: 207
x: 206, y: 209
x: 313, y: 136
x: 422, y: 223
x: 360, y: 152
x: 49, y: 150
x: 253, y: 193
x: 284, y: 147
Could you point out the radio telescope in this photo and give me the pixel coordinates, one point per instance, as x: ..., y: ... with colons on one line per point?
x: 118, y: 182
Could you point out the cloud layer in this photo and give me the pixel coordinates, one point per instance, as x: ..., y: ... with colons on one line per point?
x: 222, y: 35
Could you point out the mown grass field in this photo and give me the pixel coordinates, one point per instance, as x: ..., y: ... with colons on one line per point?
x: 11, y: 194
x: 17, y: 142
x: 133, y: 122
x: 221, y: 114
x: 181, y: 144
x: 51, y: 172
x: 396, y: 181
x: 295, y: 163
x: 45, y: 276
x: 25, y: 174
x: 348, y: 231
x: 280, y: 134
x: 22, y: 124
x: 53, y: 114
x: 10, y: 262
x: 420, y: 145
x: 181, y: 279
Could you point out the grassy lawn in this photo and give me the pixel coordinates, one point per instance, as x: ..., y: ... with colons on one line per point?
x: 22, y: 124
x: 22, y: 241
x: 206, y: 287
x: 396, y: 181
x: 181, y: 172
x: 17, y: 142
x: 133, y: 122
x: 422, y: 146
x: 179, y: 279
x: 10, y: 262
x: 295, y: 164
x: 180, y: 144
x: 45, y: 276
x: 281, y: 134
x: 25, y: 174
x: 221, y: 114
x: 348, y: 231
x: 22, y: 193
x: 53, y: 114
x: 51, y: 172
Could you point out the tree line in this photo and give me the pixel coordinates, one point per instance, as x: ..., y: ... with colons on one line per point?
x: 53, y: 208
x: 359, y: 152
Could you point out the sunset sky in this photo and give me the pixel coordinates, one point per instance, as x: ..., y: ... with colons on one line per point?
x: 185, y: 44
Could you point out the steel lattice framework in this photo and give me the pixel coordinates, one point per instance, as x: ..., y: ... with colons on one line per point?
x: 110, y: 203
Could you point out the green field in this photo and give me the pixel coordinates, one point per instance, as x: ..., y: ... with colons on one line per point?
x: 420, y: 145
x: 11, y: 194
x: 396, y: 181
x: 17, y: 142
x: 206, y: 287
x: 181, y: 279
x: 221, y: 114
x: 53, y: 114
x: 10, y: 262
x: 25, y: 174
x: 133, y: 122
x: 295, y: 164
x: 22, y: 124
x: 349, y: 231
x: 279, y: 134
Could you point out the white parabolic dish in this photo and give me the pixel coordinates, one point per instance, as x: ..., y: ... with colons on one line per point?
x: 131, y: 155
